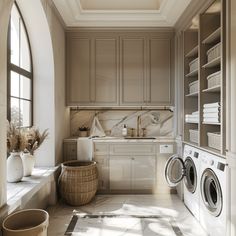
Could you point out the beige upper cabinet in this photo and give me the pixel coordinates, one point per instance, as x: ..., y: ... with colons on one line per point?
x: 159, y: 72
x: 78, y: 71
x: 119, y: 68
x: 106, y: 71
x: 132, y: 71
x: 92, y: 71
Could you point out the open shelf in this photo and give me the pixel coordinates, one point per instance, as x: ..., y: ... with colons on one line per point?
x: 193, y: 52
x: 201, y: 41
x: 192, y: 94
x: 215, y: 89
x: 191, y: 122
x: 213, y: 37
x: 213, y: 63
x: 192, y: 74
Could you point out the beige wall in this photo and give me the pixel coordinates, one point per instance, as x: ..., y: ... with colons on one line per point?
x: 61, y: 111
x: 48, y: 49
x: 5, y: 6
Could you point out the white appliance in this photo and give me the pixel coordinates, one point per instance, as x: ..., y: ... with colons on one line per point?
x: 186, y: 168
x: 213, y: 200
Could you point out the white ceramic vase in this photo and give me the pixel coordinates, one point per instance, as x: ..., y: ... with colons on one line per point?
x: 14, y: 168
x: 28, y: 161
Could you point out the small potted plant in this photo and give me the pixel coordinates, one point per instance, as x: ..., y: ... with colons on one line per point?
x: 32, y: 140
x: 83, y: 131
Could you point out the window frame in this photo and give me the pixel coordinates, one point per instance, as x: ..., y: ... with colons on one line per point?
x: 19, y: 70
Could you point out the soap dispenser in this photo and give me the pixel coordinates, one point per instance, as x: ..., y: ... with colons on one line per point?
x: 124, y: 131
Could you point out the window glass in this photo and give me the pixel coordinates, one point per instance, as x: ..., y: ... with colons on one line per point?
x: 24, y: 50
x: 20, y: 72
x: 25, y: 87
x: 15, y: 111
x: 25, y: 112
x: 15, y: 36
x: 15, y: 83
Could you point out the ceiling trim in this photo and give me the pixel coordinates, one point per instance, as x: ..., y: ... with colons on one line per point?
x: 166, y: 16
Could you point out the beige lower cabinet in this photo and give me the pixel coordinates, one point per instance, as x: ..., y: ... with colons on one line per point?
x: 103, y: 171
x: 143, y: 172
x: 132, y: 166
x: 132, y: 173
x: 101, y: 156
x: 120, y: 173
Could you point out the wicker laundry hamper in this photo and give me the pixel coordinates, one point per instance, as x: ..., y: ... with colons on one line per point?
x: 30, y: 222
x: 78, y: 182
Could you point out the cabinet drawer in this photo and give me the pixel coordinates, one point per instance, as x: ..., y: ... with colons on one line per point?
x: 133, y: 149
x: 100, y: 148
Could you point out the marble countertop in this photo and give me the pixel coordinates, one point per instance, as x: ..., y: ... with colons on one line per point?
x: 124, y: 140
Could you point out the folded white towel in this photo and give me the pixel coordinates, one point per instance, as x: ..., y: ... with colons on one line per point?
x: 191, y: 116
x: 211, y: 109
x: 211, y: 115
x: 84, y: 149
x: 211, y: 120
x: 208, y: 105
x: 193, y: 120
x: 196, y: 113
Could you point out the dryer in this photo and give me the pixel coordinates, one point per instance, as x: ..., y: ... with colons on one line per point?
x: 186, y: 169
x: 213, y: 200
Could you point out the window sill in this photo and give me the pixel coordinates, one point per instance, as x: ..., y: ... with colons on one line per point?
x: 18, y: 194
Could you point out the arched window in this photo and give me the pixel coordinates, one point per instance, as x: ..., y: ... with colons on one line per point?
x: 20, y: 74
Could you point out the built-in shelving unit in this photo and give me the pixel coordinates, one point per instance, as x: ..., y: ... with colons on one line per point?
x: 204, y: 109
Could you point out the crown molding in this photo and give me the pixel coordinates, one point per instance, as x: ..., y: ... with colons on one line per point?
x: 75, y: 16
x: 165, y: 30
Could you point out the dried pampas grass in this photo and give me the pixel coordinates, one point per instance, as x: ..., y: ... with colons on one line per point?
x: 24, y: 139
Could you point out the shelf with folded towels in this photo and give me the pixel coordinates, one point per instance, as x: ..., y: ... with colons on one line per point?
x: 211, y: 113
x: 205, y: 83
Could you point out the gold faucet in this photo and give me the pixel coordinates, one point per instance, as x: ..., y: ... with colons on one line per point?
x: 138, y: 125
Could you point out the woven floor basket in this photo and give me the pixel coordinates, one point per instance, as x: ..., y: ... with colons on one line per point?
x: 78, y: 182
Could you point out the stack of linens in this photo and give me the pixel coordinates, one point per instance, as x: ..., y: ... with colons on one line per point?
x: 192, y: 118
x: 211, y: 112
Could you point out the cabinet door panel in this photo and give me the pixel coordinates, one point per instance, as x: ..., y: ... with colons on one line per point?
x: 160, y: 72
x: 69, y: 151
x: 78, y: 70
x: 120, y: 173
x: 143, y: 172
x: 103, y: 172
x: 106, y: 71
x: 133, y: 71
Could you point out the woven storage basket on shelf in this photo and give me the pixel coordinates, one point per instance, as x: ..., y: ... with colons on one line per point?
x: 78, y: 182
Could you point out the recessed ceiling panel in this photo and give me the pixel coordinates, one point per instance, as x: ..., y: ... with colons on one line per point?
x: 121, y: 13
x: 120, y: 5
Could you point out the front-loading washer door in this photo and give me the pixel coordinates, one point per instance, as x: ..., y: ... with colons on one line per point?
x: 190, y: 179
x: 211, y: 192
x: 174, y: 170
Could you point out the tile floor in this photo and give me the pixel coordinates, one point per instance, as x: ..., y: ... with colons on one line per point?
x: 166, y: 206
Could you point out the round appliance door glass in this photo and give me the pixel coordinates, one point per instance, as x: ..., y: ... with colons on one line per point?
x: 191, y: 175
x: 211, y: 192
x: 174, y: 170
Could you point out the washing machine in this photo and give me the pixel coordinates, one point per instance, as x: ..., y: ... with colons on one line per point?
x: 186, y: 169
x: 213, y: 200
